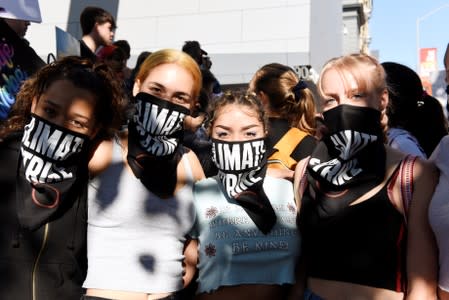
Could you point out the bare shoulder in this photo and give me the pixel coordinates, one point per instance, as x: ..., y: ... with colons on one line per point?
x: 300, y: 169
x: 426, y: 169
x: 421, y: 176
x: 299, y: 180
x: 101, y: 158
x: 425, y: 179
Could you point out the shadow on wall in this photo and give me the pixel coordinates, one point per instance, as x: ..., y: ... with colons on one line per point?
x: 76, y: 6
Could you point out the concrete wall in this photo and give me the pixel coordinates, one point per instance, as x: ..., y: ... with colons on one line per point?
x: 240, y: 36
x: 325, y: 32
x: 351, y: 33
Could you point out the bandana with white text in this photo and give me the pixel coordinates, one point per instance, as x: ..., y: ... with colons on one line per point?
x: 49, y: 165
x: 154, y: 136
x: 353, y: 150
x: 241, y: 171
x: 350, y: 158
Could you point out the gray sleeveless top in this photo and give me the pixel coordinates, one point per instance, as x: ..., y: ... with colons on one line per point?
x: 135, y: 239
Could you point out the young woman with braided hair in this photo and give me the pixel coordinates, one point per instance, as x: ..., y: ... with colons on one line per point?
x: 291, y: 111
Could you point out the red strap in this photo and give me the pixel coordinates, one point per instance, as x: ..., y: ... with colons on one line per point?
x: 406, y: 180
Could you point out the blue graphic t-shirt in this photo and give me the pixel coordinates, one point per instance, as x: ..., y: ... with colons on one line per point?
x: 232, y: 250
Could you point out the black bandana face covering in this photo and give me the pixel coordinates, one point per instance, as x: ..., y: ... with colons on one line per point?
x: 241, y: 171
x: 352, y: 152
x: 154, y: 137
x: 158, y: 124
x: 49, y: 165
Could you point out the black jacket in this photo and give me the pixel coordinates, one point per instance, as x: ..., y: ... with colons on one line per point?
x: 19, y: 61
x: 85, y: 52
x: 51, y: 261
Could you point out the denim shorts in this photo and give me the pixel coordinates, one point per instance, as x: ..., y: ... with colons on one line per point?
x: 309, y: 295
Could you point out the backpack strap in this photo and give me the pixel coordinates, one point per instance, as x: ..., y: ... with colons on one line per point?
x: 406, y: 181
x: 404, y: 177
x: 284, y: 147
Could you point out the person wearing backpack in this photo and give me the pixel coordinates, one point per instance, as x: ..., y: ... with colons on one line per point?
x: 290, y: 108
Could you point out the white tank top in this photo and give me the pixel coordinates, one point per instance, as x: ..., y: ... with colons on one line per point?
x: 135, y: 239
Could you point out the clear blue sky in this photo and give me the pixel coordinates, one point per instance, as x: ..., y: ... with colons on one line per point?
x: 393, y: 31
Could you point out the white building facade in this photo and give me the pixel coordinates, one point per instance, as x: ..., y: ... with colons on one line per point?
x: 239, y: 35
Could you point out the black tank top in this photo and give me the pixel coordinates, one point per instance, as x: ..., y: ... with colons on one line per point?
x: 362, y: 243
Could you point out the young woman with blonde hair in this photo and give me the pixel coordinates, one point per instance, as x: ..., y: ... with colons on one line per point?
x: 140, y: 202
x: 363, y: 219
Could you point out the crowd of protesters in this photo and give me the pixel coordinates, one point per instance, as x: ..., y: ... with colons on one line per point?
x: 154, y: 182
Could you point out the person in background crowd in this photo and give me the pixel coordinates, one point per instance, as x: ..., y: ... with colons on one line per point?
x: 97, y: 27
x: 135, y: 244
x: 245, y: 229
x: 446, y: 77
x: 193, y: 48
x: 404, y: 117
x: 115, y: 58
x: 140, y: 59
x: 61, y: 114
x: 438, y: 215
x: 209, y: 81
x: 363, y: 220
x: 291, y: 114
x: 434, y: 125
x: 126, y: 47
x: 195, y: 135
x: 19, y: 60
